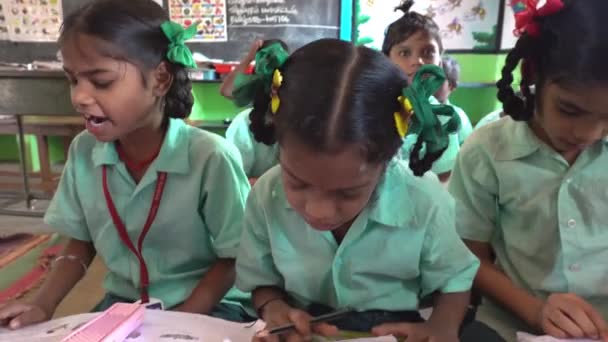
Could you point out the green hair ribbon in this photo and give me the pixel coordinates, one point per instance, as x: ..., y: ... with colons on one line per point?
x: 425, y: 121
x: 178, y: 52
x: 267, y: 60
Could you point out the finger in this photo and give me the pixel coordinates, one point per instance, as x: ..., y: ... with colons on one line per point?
x: 271, y: 338
x: 396, y: 329
x: 598, y: 320
x: 27, y: 318
x: 583, y: 321
x: 564, y: 322
x: 297, y: 338
x: 325, y: 329
x: 13, y: 310
x: 301, y: 320
x: 554, y: 330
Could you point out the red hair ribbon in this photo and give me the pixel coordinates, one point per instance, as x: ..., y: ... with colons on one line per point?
x: 525, y: 21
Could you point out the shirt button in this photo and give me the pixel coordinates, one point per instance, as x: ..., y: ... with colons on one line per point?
x: 575, y: 267
x: 571, y: 223
x: 568, y: 180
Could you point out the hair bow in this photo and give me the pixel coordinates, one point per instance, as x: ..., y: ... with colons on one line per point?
x: 267, y: 60
x: 425, y: 117
x: 527, y: 11
x: 178, y: 52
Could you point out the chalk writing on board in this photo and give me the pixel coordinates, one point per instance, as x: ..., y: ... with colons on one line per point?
x: 266, y: 13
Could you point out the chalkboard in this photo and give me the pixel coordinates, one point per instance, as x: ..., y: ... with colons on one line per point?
x: 297, y: 22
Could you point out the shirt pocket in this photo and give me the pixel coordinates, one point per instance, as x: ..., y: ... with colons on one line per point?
x: 395, y: 255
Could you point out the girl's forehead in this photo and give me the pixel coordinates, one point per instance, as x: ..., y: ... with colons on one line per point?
x: 85, y: 51
x: 419, y: 38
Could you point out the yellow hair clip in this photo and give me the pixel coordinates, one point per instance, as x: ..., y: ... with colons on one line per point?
x: 402, y: 118
x: 275, y: 101
x: 401, y: 124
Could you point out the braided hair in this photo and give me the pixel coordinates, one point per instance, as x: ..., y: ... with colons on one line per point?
x: 571, y: 49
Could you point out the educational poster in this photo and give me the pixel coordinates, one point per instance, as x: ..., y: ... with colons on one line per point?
x: 466, y: 25
x: 33, y: 20
x: 209, y: 14
x: 3, y: 26
x: 508, y: 38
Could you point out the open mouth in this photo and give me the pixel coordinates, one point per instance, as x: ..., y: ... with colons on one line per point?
x: 95, y: 120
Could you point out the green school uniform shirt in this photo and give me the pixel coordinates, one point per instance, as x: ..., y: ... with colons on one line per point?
x: 491, y: 117
x: 401, y: 247
x: 546, y: 220
x: 257, y: 157
x: 199, y: 219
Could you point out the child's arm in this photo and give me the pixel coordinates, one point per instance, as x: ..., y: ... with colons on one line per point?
x: 443, y: 325
x: 562, y: 315
x: 449, y: 310
x: 228, y: 84
x: 211, y: 289
x: 65, y: 273
x: 495, y: 284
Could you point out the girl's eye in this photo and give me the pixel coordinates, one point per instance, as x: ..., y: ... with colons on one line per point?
x: 404, y: 53
x: 102, y: 84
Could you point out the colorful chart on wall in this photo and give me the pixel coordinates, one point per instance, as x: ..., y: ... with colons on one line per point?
x: 209, y: 14
x: 509, y: 39
x: 32, y: 20
x: 3, y: 25
x: 465, y: 25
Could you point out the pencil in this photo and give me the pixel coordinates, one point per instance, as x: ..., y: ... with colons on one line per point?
x: 319, y: 319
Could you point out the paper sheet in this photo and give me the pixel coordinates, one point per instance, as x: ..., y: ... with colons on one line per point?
x: 158, y: 326
x: 524, y: 337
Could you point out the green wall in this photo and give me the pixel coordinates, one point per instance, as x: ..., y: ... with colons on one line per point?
x: 476, y: 68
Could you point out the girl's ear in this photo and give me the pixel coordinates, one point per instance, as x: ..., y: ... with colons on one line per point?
x: 162, y: 79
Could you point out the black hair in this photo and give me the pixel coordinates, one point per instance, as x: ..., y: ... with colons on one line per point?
x: 132, y: 29
x: 406, y: 26
x: 451, y: 68
x: 269, y: 42
x: 335, y: 94
x: 571, y: 50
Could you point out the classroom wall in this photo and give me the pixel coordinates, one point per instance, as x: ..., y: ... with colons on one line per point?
x: 210, y: 106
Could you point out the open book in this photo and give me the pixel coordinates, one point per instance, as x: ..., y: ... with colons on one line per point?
x: 158, y: 326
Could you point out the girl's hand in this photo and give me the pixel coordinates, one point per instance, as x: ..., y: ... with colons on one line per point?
x: 278, y: 313
x: 566, y: 315
x: 253, y: 50
x: 15, y: 315
x: 416, y: 332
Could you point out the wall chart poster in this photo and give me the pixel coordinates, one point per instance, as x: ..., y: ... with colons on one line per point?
x: 33, y: 20
x: 3, y: 25
x: 465, y: 25
x: 508, y: 38
x: 209, y: 14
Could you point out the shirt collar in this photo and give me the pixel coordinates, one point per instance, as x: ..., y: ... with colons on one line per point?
x: 174, y: 156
